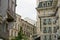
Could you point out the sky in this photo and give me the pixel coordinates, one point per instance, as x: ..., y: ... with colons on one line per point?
x: 26, y: 8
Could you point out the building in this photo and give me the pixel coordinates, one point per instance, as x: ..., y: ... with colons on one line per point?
x: 28, y: 29
x: 33, y: 22
x: 48, y: 20
x: 7, y: 17
x: 58, y: 16
x: 16, y: 27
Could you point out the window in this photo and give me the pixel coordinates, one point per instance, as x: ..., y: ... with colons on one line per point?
x: 55, y: 29
x: 28, y: 27
x: 54, y: 21
x: 49, y: 3
x: 18, y: 27
x: 50, y: 37
x: 47, y: 21
x: 6, y: 27
x: 15, y: 33
x: 45, y: 30
x: 11, y: 32
x: 40, y: 5
x: 49, y: 30
x: 19, y: 19
x: 28, y: 34
x: 45, y: 37
x: 45, y: 4
x: 44, y: 21
x: 54, y: 36
x: 15, y: 25
x: 21, y: 29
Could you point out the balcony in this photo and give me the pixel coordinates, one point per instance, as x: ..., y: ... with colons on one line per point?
x: 47, y: 4
x: 48, y: 14
x: 10, y: 15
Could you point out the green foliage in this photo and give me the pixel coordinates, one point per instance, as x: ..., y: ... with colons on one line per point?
x: 20, y: 35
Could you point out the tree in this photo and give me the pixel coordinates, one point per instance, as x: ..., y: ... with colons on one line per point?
x: 20, y: 35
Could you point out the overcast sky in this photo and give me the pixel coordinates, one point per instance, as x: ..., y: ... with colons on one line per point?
x: 26, y: 8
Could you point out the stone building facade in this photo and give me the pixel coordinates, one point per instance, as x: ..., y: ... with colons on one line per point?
x: 48, y: 20
x: 13, y: 32
x: 28, y: 29
x: 7, y: 17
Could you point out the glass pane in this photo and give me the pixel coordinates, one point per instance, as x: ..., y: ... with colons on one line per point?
x: 50, y: 30
x: 49, y: 3
x: 55, y: 30
x: 45, y: 30
x: 40, y: 5
x: 50, y: 37
x: 45, y: 37
x: 49, y: 21
x: 57, y: 27
x: 44, y: 22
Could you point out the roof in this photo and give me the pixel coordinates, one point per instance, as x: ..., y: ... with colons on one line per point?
x: 27, y: 22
